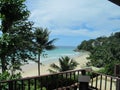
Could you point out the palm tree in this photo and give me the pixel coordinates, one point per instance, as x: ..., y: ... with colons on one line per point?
x: 42, y: 43
x: 65, y: 63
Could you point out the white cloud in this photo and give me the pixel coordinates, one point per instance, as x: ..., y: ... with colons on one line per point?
x: 60, y: 15
x: 81, y: 32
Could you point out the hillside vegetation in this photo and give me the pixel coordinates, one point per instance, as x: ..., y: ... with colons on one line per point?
x: 104, y: 52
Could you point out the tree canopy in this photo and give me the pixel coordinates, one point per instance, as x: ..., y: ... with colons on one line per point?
x: 16, y: 41
x: 105, y: 51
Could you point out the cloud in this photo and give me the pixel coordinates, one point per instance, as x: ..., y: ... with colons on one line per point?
x: 90, y: 18
x: 81, y: 32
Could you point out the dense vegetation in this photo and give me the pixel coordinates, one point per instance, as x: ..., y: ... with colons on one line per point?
x: 105, y: 52
x: 19, y: 40
x: 14, y: 41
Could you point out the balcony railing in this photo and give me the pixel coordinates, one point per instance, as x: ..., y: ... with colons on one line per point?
x: 62, y: 81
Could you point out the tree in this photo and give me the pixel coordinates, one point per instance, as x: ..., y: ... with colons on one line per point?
x: 12, y: 11
x: 86, y: 45
x: 65, y: 63
x: 16, y: 41
x: 22, y: 48
x: 105, y: 53
x: 90, y: 44
x: 42, y: 43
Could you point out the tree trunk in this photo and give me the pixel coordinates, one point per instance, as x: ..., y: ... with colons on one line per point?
x: 39, y: 64
x: 3, y: 62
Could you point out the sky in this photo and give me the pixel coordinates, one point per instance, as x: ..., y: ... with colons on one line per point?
x: 72, y: 21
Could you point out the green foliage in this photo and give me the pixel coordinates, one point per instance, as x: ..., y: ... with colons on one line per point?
x: 12, y: 11
x: 109, y: 68
x: 16, y: 41
x: 65, y: 63
x: 19, y: 42
x: 105, y: 52
x: 85, y: 45
x: 6, y: 76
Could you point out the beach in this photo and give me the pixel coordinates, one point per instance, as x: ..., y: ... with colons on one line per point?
x: 32, y: 70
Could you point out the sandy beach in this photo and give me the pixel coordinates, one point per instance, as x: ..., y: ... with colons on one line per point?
x: 31, y: 69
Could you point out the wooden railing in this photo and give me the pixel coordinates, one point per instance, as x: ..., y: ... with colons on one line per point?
x: 104, y: 82
x: 61, y: 81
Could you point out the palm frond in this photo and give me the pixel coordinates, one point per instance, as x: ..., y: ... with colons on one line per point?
x: 55, y: 67
x: 51, y: 41
x: 50, y: 47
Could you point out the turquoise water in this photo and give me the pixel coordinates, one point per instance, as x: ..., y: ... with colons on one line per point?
x: 58, y: 52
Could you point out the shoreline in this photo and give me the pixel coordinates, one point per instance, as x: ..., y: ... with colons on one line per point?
x: 30, y: 69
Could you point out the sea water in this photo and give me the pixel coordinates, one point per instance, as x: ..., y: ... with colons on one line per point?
x: 60, y: 51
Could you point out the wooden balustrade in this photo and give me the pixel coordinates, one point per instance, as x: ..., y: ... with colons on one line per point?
x: 61, y: 81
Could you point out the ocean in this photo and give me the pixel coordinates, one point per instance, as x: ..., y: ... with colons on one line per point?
x: 53, y: 55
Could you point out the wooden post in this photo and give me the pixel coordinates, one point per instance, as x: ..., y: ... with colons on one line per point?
x: 0, y: 85
x: 117, y: 70
x: 10, y: 85
x: 83, y: 72
x: 117, y: 74
x: 118, y: 84
x: 84, y: 81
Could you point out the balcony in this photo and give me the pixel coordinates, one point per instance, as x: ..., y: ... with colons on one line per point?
x: 63, y: 81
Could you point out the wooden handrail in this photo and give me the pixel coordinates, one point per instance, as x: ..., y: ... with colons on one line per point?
x: 67, y: 75
x: 26, y: 78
